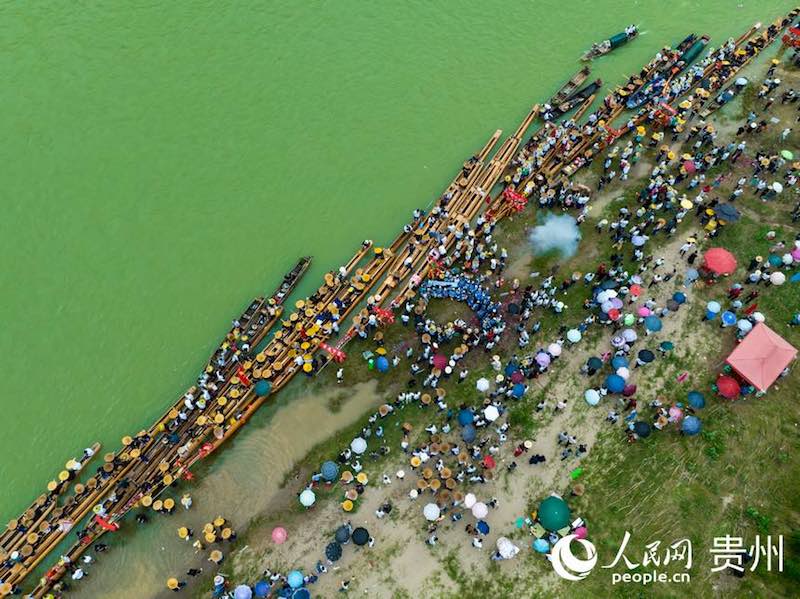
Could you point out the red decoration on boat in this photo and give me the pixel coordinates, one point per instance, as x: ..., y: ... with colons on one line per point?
x: 792, y: 37
x: 384, y: 315
x: 105, y: 524
x: 336, y: 354
x: 515, y: 200
x: 243, y: 376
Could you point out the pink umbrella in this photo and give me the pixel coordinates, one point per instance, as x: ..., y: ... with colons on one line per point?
x: 689, y: 167
x: 796, y: 254
x: 554, y: 349
x: 644, y: 311
x: 279, y: 535
x: 439, y: 361
x: 675, y: 413
x: 581, y: 532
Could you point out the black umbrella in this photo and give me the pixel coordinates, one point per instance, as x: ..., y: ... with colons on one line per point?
x: 513, y: 308
x: 672, y: 305
x: 333, y: 551
x: 641, y: 428
x: 343, y: 534
x: 360, y: 536
x: 727, y: 212
x: 646, y: 356
x: 594, y: 363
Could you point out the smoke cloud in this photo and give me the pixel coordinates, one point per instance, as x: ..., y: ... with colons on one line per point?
x: 556, y: 233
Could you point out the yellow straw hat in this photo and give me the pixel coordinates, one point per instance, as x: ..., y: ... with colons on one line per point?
x: 226, y: 533
x: 216, y: 556
x: 183, y: 532
x: 210, y: 537
x: 362, y: 478
x: 158, y: 505
x: 172, y: 584
x: 347, y: 505
x: 219, y: 521
x: 169, y: 503
x: 147, y: 501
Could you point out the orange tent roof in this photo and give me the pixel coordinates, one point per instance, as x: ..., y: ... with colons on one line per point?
x: 761, y: 356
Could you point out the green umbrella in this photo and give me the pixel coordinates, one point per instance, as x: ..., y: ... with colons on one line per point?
x: 553, y: 513
x: 787, y: 154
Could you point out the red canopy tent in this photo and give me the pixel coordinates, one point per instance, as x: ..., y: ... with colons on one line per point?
x: 761, y: 356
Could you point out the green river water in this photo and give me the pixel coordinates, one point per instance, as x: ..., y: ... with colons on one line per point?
x: 163, y: 163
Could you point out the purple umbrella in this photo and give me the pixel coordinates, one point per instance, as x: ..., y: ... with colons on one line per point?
x: 542, y: 359
x: 606, y: 306
x: 617, y: 341
x: 629, y: 335
x: 616, y: 303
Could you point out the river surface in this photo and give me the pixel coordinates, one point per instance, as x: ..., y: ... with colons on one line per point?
x: 163, y: 163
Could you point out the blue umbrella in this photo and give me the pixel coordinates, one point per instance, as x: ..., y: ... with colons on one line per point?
x: 301, y: 594
x: 511, y: 369
x: 638, y: 240
x: 263, y: 388
x: 295, y: 579
x: 468, y: 433
x: 330, y: 470
x: 728, y: 318
x: 242, y: 592
x: 594, y: 363
x: 691, y: 275
x: 667, y: 346
x: 696, y: 400
x: 691, y: 425
x: 483, y: 527
x: 465, y: 417
x: 619, y: 362
x: 262, y: 588
x: 775, y: 260
x: 679, y: 297
x: 518, y: 390
x: 795, y: 278
x: 541, y: 546
x: 382, y: 364
x: 652, y: 323
x: 608, y: 284
x: 615, y: 383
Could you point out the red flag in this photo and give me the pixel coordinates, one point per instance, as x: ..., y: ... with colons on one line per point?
x: 243, y: 376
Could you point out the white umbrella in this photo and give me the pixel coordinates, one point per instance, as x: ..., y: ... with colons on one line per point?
x: 479, y: 510
x: 741, y: 82
x: 623, y: 372
x: 744, y: 325
x: 470, y: 500
x: 554, y: 349
x: 491, y: 413
x: 506, y: 548
x: 307, y: 498
x: 573, y: 335
x: 592, y: 397
x: 482, y: 385
x: 431, y: 512
x: 401, y: 474
x: 358, y: 445
x: 777, y: 278
x: 777, y: 187
x: 787, y: 259
x: 758, y: 317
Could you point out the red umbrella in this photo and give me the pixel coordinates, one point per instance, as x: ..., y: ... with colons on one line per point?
x: 488, y: 462
x: 440, y: 361
x: 719, y: 261
x: 636, y: 290
x: 614, y: 314
x: 517, y: 376
x: 728, y: 387
x: 689, y: 167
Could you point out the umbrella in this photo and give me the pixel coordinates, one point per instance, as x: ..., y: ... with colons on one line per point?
x: 295, y: 579
x: 358, y: 445
x: 440, y: 361
x: 307, y: 498
x: 728, y: 318
x: 431, y: 512
x: 675, y: 413
x: 727, y: 212
x: 242, y: 592
x: 624, y: 373
x: 691, y: 425
x: 491, y: 413
x: 468, y: 433
x: 488, y: 462
x: 795, y: 254
x: 777, y: 278
x: 713, y: 306
x: 787, y: 154
x: 553, y: 513
x: 679, y: 297
x: 617, y: 341
x: 262, y: 588
x: 263, y: 388
x: 777, y: 187
x: 554, y: 349
x: 646, y: 356
x: 483, y: 527
x: 614, y: 314
x: 594, y: 363
x: 615, y: 383
x: 301, y: 594
x: 745, y: 326
x: 518, y: 390
x: 696, y: 400
x: 652, y: 323
x: 641, y: 428
x: 360, y: 536
x: 482, y: 385
x: 279, y: 535
x: 511, y: 368
x: 638, y: 240
x: 619, y: 362
x: 607, y: 306
x: 629, y: 390
x: 741, y: 82
x: 342, y: 535
x: 774, y: 260
x: 630, y: 335
x: 479, y: 510
x: 592, y: 397
x: 795, y: 278
x: 689, y: 166
x: 517, y: 377
x: 333, y: 551
x: 541, y: 546
x: 506, y: 548
x: 692, y: 275
x: 644, y: 311
x: 573, y: 335
x: 719, y: 261
x: 672, y: 305
x: 470, y: 500
x: 382, y: 364
x: 465, y: 417
x: 666, y: 346
x: 728, y: 387
x: 581, y: 532
x: 513, y: 308
x: 542, y: 359
x: 330, y: 470
x: 787, y: 259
